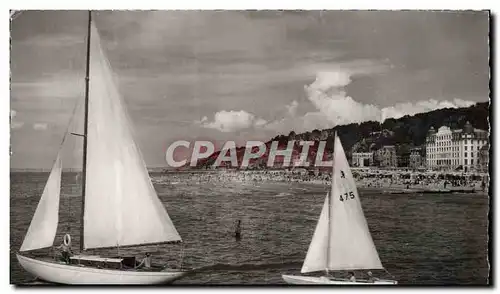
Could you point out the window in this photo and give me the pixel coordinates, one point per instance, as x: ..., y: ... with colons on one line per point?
x: 465, y: 148
x: 472, y: 161
x: 465, y: 154
x: 465, y: 161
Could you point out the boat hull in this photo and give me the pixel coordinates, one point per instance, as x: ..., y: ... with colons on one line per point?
x: 306, y: 280
x: 62, y: 273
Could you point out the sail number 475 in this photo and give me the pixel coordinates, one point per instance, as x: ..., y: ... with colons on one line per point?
x: 346, y: 196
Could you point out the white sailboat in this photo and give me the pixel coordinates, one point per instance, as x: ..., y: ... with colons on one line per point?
x: 342, y: 240
x: 120, y: 207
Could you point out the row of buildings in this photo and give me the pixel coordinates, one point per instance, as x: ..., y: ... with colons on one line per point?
x: 464, y: 149
x: 467, y: 148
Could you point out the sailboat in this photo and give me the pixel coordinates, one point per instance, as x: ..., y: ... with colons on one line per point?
x: 120, y: 207
x: 342, y: 240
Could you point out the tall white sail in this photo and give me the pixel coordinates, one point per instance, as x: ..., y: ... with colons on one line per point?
x: 351, y: 246
x: 43, y: 227
x: 121, y: 205
x: 316, y: 258
x: 345, y: 243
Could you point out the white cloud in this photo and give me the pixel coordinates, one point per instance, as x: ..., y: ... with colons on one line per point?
x: 62, y: 85
x: 16, y: 124
x: 334, y: 107
x: 402, y: 109
x: 40, y: 126
x: 292, y: 108
x: 229, y: 121
x: 260, y: 122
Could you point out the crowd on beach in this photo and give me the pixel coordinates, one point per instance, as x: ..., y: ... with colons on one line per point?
x: 365, y: 178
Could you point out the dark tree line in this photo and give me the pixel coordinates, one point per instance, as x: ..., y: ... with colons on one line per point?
x: 403, y: 132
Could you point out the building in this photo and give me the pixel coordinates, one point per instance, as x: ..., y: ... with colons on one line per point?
x: 403, y: 155
x: 455, y: 149
x: 484, y: 158
x: 417, y: 159
x: 361, y: 159
x: 386, y: 156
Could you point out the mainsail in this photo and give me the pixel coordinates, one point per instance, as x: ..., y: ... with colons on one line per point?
x: 43, y: 227
x: 121, y: 204
x: 345, y: 243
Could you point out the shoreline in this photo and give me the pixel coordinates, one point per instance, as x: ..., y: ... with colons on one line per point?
x: 384, y: 184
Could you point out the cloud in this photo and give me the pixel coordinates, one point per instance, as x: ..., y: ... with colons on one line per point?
x: 292, y: 108
x: 260, y: 122
x: 40, y: 126
x: 402, y: 109
x: 16, y: 124
x: 334, y: 107
x: 229, y: 121
x: 61, y: 85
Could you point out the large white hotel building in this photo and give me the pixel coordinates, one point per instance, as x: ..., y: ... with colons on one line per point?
x: 449, y: 149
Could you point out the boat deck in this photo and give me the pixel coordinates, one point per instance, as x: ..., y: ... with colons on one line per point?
x: 112, y: 263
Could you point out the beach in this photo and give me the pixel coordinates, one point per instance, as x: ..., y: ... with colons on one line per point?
x: 384, y: 180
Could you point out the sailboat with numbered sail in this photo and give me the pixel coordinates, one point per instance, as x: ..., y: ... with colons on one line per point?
x: 342, y: 240
x: 120, y: 207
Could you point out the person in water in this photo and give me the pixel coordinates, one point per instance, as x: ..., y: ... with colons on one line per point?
x: 66, y: 252
x: 146, y: 262
x: 352, y: 278
x: 237, y: 230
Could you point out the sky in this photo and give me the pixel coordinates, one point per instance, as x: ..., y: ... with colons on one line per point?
x: 242, y: 75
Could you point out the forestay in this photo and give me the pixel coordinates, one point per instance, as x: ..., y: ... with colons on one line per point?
x: 121, y: 205
x: 43, y: 227
x: 345, y: 243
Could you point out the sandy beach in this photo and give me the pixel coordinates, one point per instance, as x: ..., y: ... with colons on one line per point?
x: 387, y: 181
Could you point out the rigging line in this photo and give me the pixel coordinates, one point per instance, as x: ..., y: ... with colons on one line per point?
x: 389, y: 273
x: 77, y: 103
x: 70, y: 123
x: 66, y: 132
x: 68, y: 204
x: 181, y: 262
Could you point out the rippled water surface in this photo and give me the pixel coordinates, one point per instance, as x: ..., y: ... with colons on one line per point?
x: 421, y: 239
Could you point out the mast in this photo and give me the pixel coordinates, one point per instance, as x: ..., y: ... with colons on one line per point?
x: 330, y: 197
x: 85, y: 128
